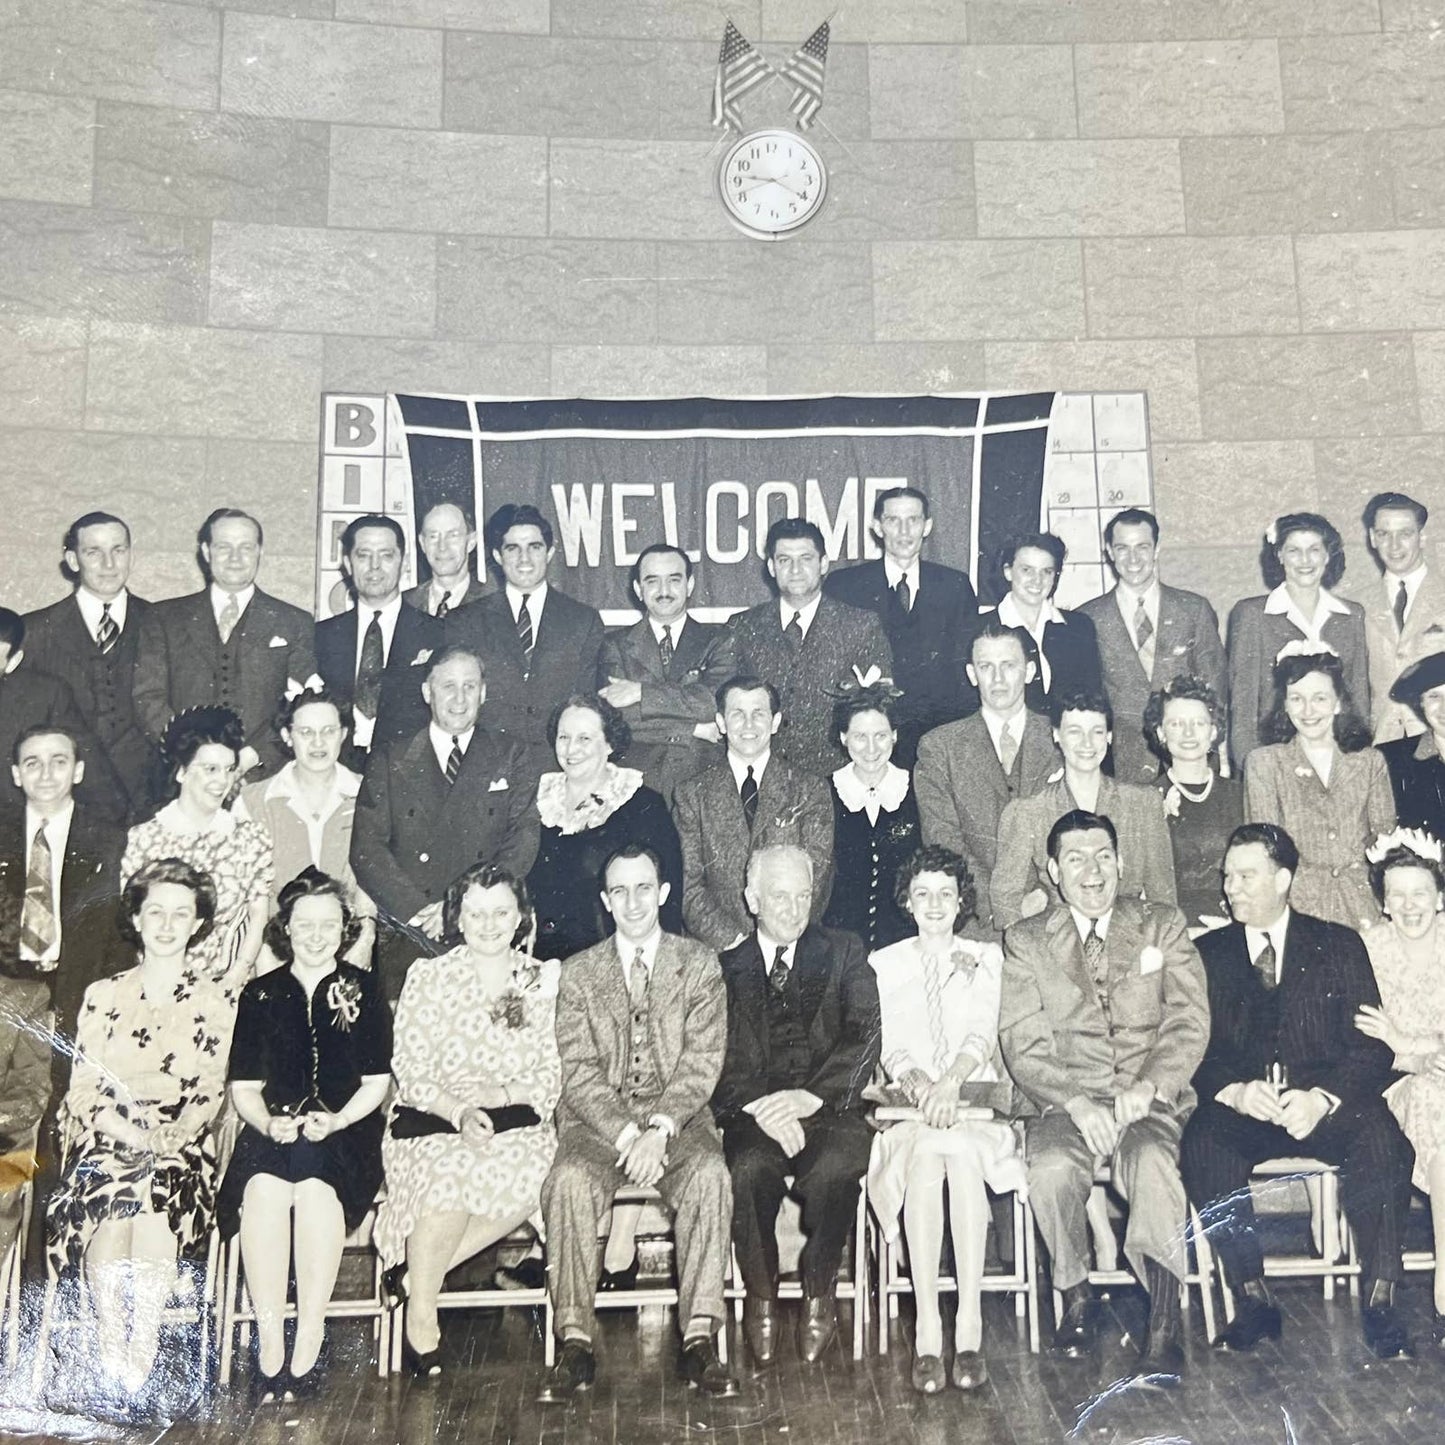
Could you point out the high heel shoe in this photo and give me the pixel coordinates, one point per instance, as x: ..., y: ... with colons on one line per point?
x: 393, y: 1286
x: 308, y: 1386
x: 421, y: 1365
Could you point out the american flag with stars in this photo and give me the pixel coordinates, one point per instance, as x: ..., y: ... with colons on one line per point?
x: 805, y: 70
x: 739, y: 69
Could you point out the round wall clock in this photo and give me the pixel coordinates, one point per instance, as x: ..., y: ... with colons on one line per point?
x: 772, y: 183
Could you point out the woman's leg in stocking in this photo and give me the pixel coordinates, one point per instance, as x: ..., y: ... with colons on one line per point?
x: 266, y: 1257
x: 968, y: 1216
x: 429, y: 1252
x: 153, y: 1281
x: 923, y: 1225
x: 320, y: 1235
x: 107, y: 1276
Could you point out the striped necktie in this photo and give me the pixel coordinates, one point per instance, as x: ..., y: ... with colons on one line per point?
x: 524, y: 629
x: 107, y: 634
x: 454, y: 761
x: 37, y: 917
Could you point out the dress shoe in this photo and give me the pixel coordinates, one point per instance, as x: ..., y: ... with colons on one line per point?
x: 263, y: 1389
x: 574, y: 1371
x: 760, y: 1328
x: 970, y: 1370
x: 1077, y: 1333
x: 1161, y: 1362
x: 393, y: 1286
x: 1385, y: 1333
x: 704, y: 1372
x: 421, y: 1364
x: 528, y: 1273
x: 928, y: 1375
x: 1255, y: 1319
x: 618, y: 1279
x: 817, y: 1326
x: 308, y: 1386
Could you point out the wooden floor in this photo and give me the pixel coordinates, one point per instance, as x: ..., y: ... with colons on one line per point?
x: 1318, y: 1387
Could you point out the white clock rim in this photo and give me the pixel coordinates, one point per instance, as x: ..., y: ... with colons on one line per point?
x: 791, y: 228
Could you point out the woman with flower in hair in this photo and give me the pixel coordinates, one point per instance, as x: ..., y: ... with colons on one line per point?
x: 1182, y: 723
x: 1407, y: 952
x: 478, y: 1076
x: 1302, y: 560
x: 202, y: 749
x: 310, y: 1067
x: 1319, y: 779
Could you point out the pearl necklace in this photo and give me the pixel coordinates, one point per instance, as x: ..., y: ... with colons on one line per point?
x: 1186, y: 789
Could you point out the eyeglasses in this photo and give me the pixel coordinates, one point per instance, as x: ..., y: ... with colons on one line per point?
x: 329, y: 733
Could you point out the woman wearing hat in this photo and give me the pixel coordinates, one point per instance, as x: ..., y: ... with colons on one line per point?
x: 1417, y: 765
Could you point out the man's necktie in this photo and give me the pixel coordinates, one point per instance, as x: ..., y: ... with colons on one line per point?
x: 664, y: 646
x: 794, y: 630
x: 1264, y: 965
x: 524, y: 628
x: 778, y: 973
x: 37, y: 917
x: 904, y: 593
x: 367, y: 697
x: 1008, y: 748
x: 1402, y: 600
x: 641, y: 978
x: 107, y: 634
x: 444, y: 606
x: 1144, y: 636
x: 1094, y: 955
x: 750, y: 797
x: 230, y: 616
x: 454, y: 761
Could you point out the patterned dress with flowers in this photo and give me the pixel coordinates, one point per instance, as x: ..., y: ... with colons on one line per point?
x: 155, y: 1061
x: 874, y: 831
x: 452, y: 1042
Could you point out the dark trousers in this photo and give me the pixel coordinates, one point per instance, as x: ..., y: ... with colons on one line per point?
x: 827, y: 1174
x: 1220, y: 1147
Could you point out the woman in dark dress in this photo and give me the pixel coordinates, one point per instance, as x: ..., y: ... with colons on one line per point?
x: 875, y: 822
x: 310, y: 1067
x: 1417, y: 765
x: 588, y: 810
x: 1183, y: 722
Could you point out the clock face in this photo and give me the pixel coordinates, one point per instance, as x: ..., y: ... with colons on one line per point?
x: 772, y: 182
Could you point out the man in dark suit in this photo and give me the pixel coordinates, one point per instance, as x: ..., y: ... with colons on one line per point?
x: 641, y: 1027
x: 969, y: 771
x: 231, y: 644
x: 1148, y: 634
x: 88, y: 640
x: 747, y: 801
x: 803, y: 1042
x: 434, y: 804
x: 448, y: 541
x: 808, y: 645
x: 1288, y: 1073
x: 376, y: 655
x: 663, y: 673
x: 538, y: 645
x: 927, y: 612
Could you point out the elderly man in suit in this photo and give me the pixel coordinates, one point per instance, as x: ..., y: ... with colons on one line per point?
x: 750, y: 799
x: 448, y: 541
x: 1404, y: 611
x: 1148, y: 634
x: 230, y: 644
x: 641, y: 1028
x: 375, y: 655
x: 803, y: 1042
x: 662, y: 674
x: 88, y: 640
x: 431, y: 806
x: 927, y: 612
x: 538, y: 645
x: 969, y: 771
x: 1103, y: 1023
x: 1287, y: 1072
x: 807, y: 645
x: 25, y: 1029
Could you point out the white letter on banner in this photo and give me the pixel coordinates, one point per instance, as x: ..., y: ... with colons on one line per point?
x: 840, y: 533
x: 715, y: 550
x: 622, y: 552
x: 579, y: 520
x: 788, y: 492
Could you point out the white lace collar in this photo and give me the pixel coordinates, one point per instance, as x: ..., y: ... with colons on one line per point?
x: 618, y: 785
x: 856, y: 795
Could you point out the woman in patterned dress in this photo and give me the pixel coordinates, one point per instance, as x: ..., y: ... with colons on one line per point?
x: 1407, y: 952
x: 939, y: 996
x: 474, y: 1035
x: 1319, y: 779
x: 138, y: 1181
x: 202, y: 748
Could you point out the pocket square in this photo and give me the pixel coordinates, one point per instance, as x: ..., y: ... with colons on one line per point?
x: 1434, y: 627
x: 498, y: 785
x: 1180, y: 649
x: 278, y: 642
x: 1151, y: 960
x: 423, y: 656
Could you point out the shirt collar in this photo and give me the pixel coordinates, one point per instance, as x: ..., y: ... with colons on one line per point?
x: 455, y: 596
x: 91, y: 608
x: 219, y: 598
x: 1010, y: 616
x: 1017, y: 720
x: 892, y: 573
x: 284, y: 784
x: 627, y: 951
x: 389, y: 613
x: 536, y: 601
x: 856, y: 795
x: 759, y: 765
x: 1149, y: 596
x: 657, y: 627
x: 173, y: 820
x: 1083, y: 924
x: 442, y: 741
x: 805, y: 614
x: 57, y: 826
x: 1254, y: 939
x: 768, y: 947
x: 1279, y: 603
x: 1412, y: 581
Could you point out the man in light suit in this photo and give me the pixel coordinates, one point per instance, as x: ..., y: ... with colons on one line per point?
x: 432, y: 805
x: 538, y: 645
x: 749, y: 800
x: 927, y: 612
x: 1103, y: 1023
x: 230, y: 644
x: 969, y: 771
x: 1404, y: 611
x: 1148, y: 634
x: 376, y: 654
x: 807, y: 645
x: 641, y: 1028
x: 802, y: 1044
x: 1288, y: 1073
x: 448, y: 541
x: 89, y: 639
x: 662, y: 674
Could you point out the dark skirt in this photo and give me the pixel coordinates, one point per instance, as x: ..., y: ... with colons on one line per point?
x: 349, y: 1161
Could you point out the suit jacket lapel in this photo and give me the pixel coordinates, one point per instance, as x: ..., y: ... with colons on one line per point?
x: 419, y: 763
x: 687, y: 653
x: 1067, y: 947
x: 1169, y: 624
x: 814, y: 966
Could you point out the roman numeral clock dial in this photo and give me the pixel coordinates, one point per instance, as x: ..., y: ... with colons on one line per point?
x: 772, y: 183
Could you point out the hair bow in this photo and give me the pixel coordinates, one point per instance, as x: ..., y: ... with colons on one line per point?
x: 1302, y: 647
x: 1413, y: 840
